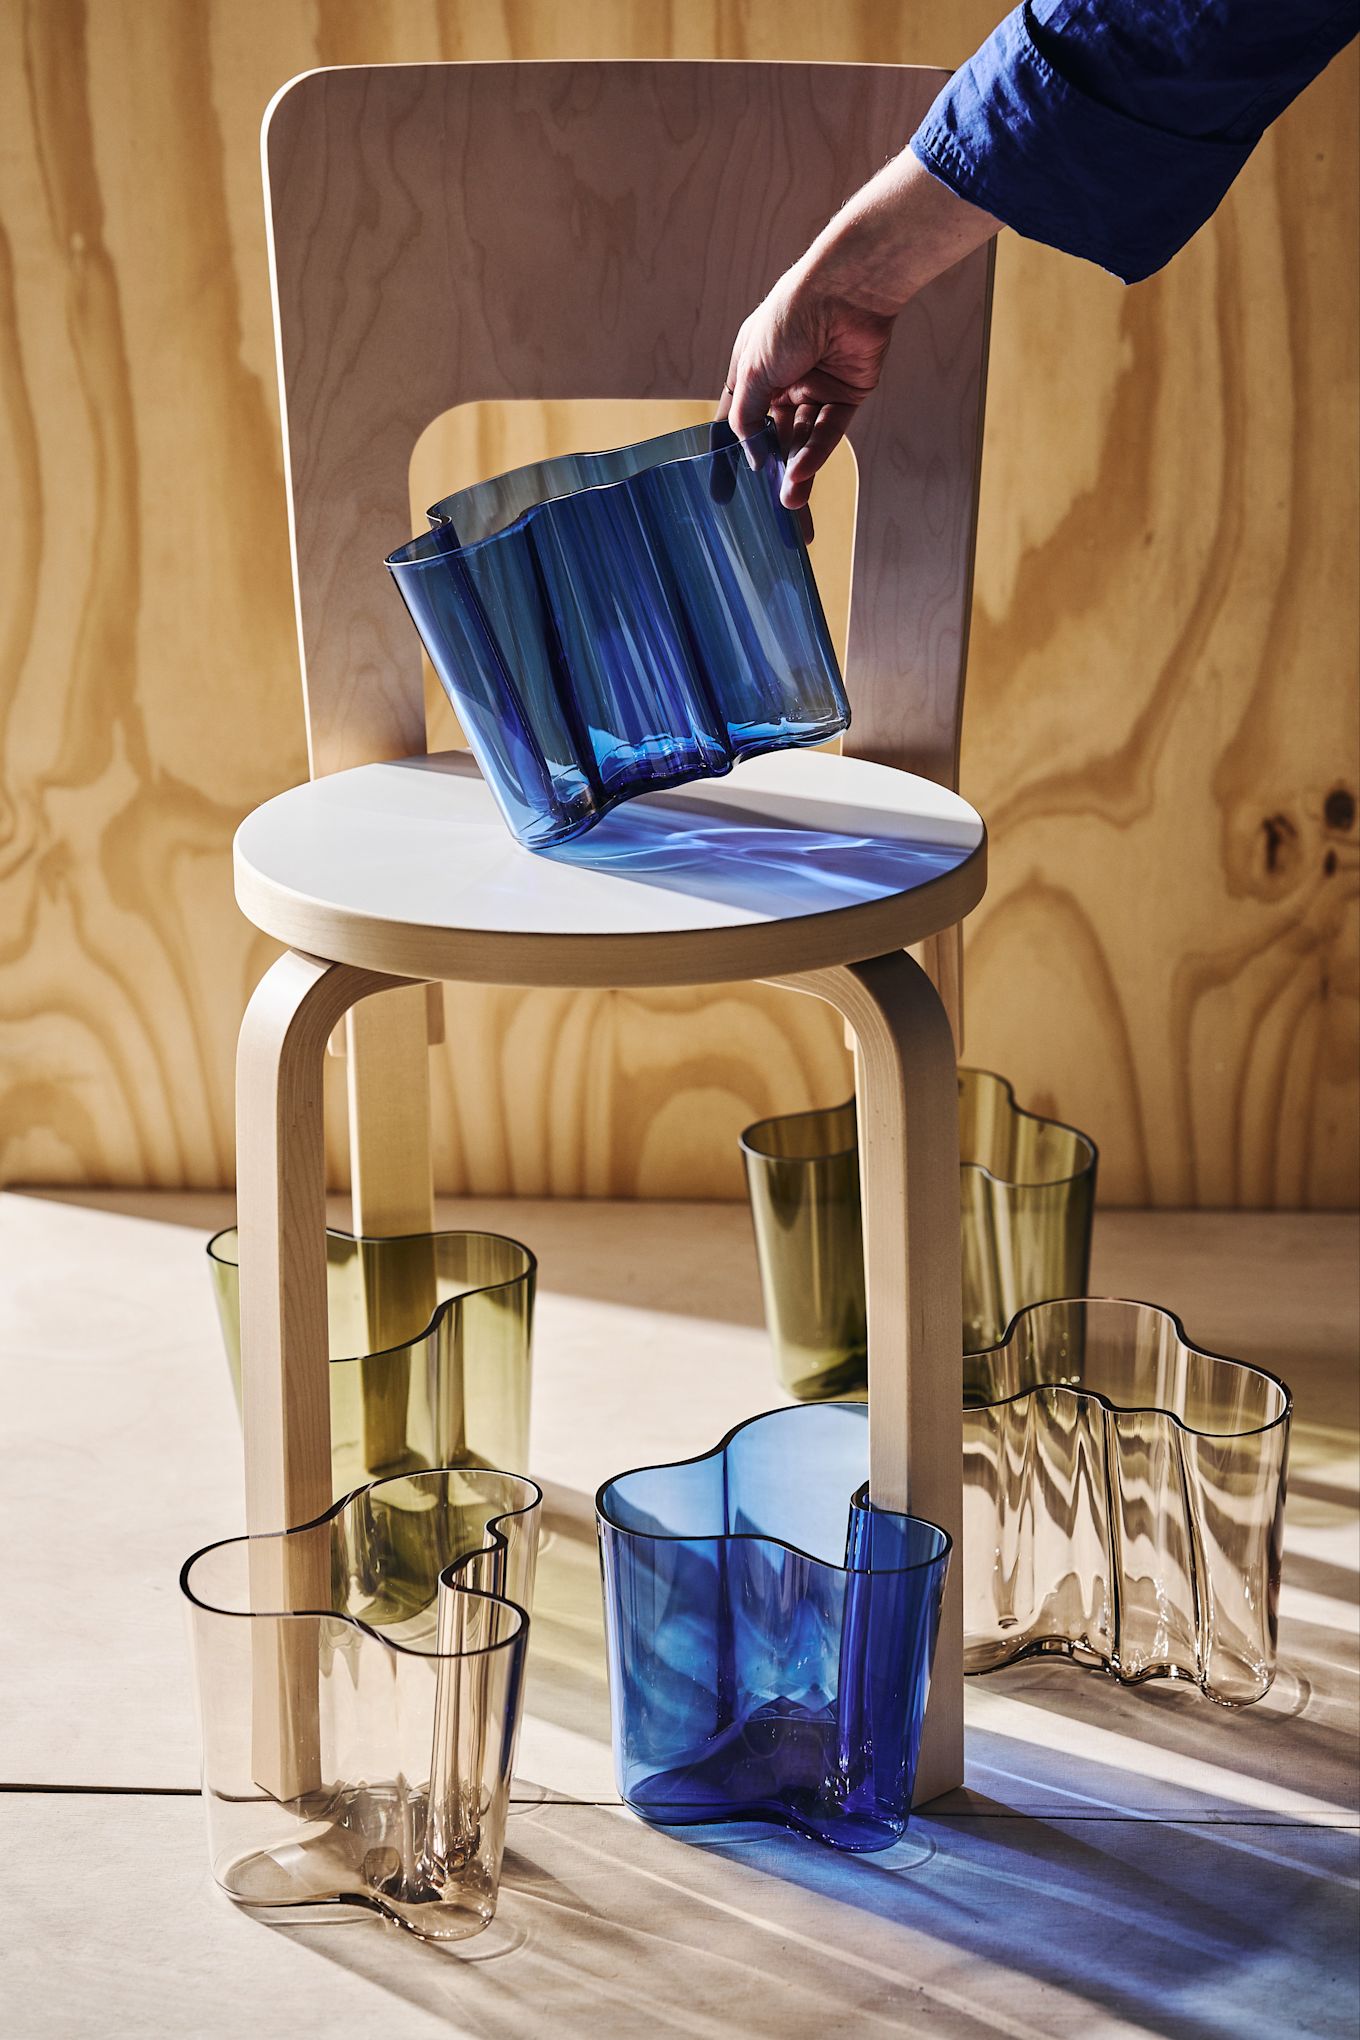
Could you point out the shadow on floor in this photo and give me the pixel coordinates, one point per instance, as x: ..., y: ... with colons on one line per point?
x: 983, y: 1923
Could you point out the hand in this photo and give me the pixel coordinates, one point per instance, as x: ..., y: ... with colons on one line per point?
x: 814, y: 350
x: 809, y: 356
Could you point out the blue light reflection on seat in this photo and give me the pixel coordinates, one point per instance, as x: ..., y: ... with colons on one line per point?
x: 732, y: 857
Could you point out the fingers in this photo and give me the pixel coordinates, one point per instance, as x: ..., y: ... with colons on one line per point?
x: 753, y: 389
x: 794, y: 425
x: 813, y: 447
x: 804, y: 418
x: 785, y: 418
x: 780, y: 370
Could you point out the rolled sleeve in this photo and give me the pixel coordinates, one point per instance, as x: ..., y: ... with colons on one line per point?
x: 1063, y: 163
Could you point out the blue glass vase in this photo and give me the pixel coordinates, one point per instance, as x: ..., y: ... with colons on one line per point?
x: 608, y: 624
x: 770, y: 1633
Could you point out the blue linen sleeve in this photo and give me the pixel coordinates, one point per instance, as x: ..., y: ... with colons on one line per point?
x: 1112, y: 128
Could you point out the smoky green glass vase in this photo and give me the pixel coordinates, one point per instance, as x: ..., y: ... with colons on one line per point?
x: 430, y: 1342
x: 1027, y: 1191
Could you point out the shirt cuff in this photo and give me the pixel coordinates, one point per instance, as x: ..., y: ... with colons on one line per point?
x: 1010, y: 134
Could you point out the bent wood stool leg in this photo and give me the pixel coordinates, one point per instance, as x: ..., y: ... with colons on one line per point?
x: 392, y: 1195
x: 941, y: 958
x: 907, y: 1088
x: 285, y: 1402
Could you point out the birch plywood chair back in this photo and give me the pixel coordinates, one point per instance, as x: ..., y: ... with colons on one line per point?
x: 446, y: 234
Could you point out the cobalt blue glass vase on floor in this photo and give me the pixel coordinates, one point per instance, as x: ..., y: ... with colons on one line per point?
x: 607, y: 624
x: 769, y: 1632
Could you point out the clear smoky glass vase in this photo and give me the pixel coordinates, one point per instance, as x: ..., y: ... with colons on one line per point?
x: 1123, y: 1500
x: 359, y: 1685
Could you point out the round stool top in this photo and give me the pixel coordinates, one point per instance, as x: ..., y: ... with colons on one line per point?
x: 793, y: 862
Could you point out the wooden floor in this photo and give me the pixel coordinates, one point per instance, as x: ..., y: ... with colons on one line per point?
x: 1120, y: 1863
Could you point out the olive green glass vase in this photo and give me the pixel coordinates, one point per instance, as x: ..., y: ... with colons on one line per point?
x: 430, y: 1342
x: 1027, y: 1193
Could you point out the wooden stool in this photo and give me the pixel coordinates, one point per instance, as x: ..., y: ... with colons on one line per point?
x: 447, y: 234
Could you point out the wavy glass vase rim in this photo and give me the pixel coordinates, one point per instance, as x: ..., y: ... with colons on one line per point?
x: 497, y: 1542
x: 943, y: 1550
x: 1132, y: 1409
x: 975, y: 1168
x: 441, y: 1310
x: 431, y: 545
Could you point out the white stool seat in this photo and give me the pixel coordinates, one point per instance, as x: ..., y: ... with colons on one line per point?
x: 796, y: 861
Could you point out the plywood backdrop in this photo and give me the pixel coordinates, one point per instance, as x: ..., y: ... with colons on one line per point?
x: 1161, y: 726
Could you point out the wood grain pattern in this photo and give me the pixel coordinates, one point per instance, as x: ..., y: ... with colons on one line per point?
x: 646, y: 205
x: 390, y: 1177
x: 1160, y: 725
x: 1195, y: 767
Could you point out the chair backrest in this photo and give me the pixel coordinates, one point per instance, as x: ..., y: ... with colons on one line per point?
x: 443, y: 234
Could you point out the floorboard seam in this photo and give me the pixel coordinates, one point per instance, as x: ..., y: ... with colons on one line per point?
x: 539, y: 1805
x: 110, y: 1791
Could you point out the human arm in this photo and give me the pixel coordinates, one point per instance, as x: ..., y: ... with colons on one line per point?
x: 1109, y: 129
x: 813, y: 350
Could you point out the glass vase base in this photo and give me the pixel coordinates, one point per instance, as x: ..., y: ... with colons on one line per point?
x: 779, y: 1770
x: 1103, y: 1662
x: 358, y: 1862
